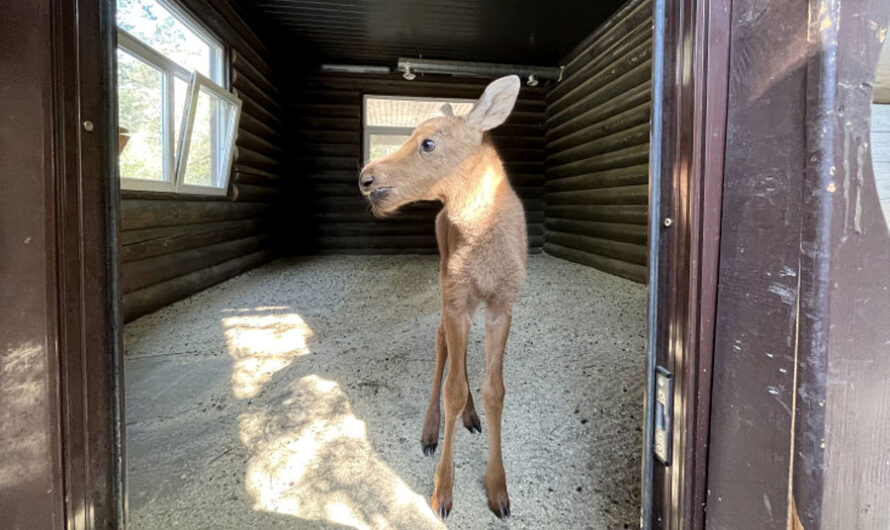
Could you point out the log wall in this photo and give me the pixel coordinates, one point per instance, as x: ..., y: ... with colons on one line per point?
x: 329, y: 215
x: 175, y: 245
x: 597, y: 176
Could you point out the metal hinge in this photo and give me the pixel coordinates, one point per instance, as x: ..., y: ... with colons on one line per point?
x: 664, y: 409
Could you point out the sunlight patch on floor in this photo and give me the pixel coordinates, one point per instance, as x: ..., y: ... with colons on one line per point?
x: 311, y: 459
x: 262, y: 345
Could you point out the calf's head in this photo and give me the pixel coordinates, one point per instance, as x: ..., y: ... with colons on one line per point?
x: 435, y: 150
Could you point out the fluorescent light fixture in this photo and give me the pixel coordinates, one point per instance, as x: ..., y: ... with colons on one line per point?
x: 532, y: 74
x: 354, y: 69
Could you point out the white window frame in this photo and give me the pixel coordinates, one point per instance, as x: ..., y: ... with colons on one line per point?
x: 219, y: 136
x: 172, y: 174
x: 368, y: 130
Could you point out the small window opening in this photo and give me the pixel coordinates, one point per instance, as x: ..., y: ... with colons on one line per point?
x: 390, y: 120
x: 177, y: 122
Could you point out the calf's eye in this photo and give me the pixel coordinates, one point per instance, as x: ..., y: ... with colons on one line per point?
x: 427, y: 145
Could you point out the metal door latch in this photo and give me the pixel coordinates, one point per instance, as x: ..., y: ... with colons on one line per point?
x: 664, y: 400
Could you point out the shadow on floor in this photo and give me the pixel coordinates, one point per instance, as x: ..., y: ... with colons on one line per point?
x: 293, y: 396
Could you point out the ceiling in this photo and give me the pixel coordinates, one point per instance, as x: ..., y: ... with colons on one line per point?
x: 378, y: 32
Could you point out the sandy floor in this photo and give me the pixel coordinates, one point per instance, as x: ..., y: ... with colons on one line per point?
x: 293, y: 397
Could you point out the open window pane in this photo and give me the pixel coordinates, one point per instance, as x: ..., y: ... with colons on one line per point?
x: 208, y: 146
x: 154, y: 24
x: 180, y: 95
x: 140, y: 90
x: 384, y: 144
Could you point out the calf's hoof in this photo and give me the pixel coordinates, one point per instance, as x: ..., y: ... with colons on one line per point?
x: 471, y: 421
x: 441, y: 504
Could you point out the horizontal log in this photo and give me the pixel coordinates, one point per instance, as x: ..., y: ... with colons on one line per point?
x: 520, y: 142
x: 256, y: 177
x: 243, y: 66
x: 610, y: 178
x: 620, y: 85
x: 630, y: 156
x: 255, y: 110
x: 262, y: 96
x: 526, y: 179
x: 146, y: 213
x: 388, y: 241
x: 151, y: 271
x: 631, y: 271
x: 329, y: 96
x: 327, y: 163
x: 638, y: 135
x: 629, y: 233
x: 325, y: 123
x: 422, y: 215
x: 260, y: 128
x: 605, y: 110
x: 382, y: 228
x: 608, y: 51
x: 629, y: 252
x: 357, y: 202
x: 623, y: 120
x: 641, y: 54
x: 375, y: 251
x: 257, y: 143
x: 638, y: 194
x: 326, y: 137
x: 331, y: 150
x: 326, y: 110
x: 144, y: 301
x: 250, y: 193
x: 250, y: 158
x: 620, y: 22
x: 149, y: 242
x: 349, y: 176
x: 635, y: 214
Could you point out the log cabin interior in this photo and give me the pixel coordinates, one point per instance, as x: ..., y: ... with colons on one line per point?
x: 296, y: 387
x: 700, y: 342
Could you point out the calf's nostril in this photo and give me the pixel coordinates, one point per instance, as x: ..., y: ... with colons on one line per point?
x: 366, y: 181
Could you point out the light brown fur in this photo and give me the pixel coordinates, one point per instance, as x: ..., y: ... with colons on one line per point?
x: 482, y: 242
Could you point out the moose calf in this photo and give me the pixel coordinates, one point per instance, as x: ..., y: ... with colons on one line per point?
x: 481, y: 236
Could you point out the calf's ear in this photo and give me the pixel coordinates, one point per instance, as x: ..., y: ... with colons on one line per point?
x: 496, y: 103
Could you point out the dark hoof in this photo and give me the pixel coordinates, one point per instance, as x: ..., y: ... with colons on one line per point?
x: 472, y: 423
x: 444, y: 511
x: 429, y: 449
x: 503, y: 512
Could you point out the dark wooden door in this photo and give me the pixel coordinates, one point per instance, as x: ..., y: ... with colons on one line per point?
x: 686, y: 180
x: 60, y: 452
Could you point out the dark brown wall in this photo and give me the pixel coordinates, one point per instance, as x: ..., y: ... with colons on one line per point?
x: 175, y: 245
x: 327, y: 212
x: 30, y: 439
x: 598, y: 148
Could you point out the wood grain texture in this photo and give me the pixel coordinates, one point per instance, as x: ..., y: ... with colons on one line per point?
x: 597, y: 175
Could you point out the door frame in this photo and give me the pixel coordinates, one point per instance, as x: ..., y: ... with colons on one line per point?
x: 690, y: 89
x: 85, y: 202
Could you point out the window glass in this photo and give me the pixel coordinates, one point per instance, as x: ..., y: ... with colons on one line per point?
x: 389, y: 121
x: 208, y: 155
x: 155, y: 25
x: 139, y: 105
x: 391, y: 112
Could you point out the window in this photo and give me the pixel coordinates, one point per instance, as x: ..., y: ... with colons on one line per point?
x: 390, y: 120
x: 178, y: 123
